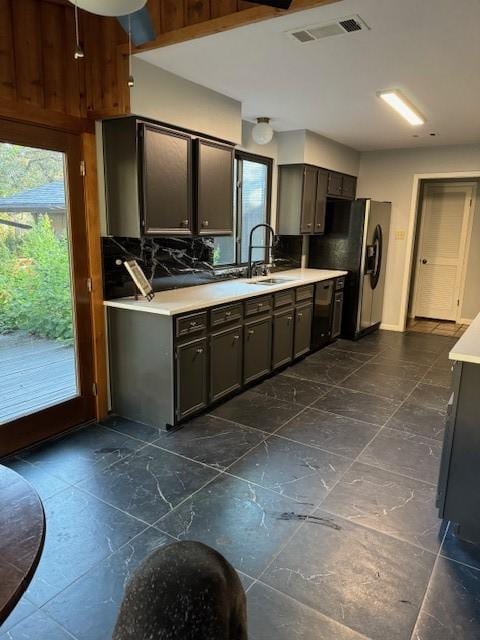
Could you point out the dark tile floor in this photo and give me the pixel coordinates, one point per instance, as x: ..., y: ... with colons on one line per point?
x: 317, y: 484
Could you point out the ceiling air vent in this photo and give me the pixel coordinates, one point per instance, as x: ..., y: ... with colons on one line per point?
x: 335, y: 28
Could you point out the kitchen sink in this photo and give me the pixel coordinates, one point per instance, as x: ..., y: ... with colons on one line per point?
x: 271, y: 281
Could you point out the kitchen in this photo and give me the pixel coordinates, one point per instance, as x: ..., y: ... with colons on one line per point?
x: 270, y: 387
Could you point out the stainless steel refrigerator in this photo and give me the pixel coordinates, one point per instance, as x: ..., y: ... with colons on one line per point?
x: 356, y: 240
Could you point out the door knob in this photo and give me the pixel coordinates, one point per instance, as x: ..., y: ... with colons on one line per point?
x: 424, y: 261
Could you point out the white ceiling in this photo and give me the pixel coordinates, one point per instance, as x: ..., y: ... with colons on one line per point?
x: 430, y: 49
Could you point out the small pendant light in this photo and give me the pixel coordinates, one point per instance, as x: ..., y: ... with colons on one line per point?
x: 131, y: 79
x: 78, y: 53
x: 262, y: 132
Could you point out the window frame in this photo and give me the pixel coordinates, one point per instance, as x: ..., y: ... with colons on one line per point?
x: 239, y: 157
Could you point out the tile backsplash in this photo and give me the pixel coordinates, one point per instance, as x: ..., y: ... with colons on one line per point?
x: 173, y: 262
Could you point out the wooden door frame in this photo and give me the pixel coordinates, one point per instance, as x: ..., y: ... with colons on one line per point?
x: 410, y: 242
x: 467, y: 224
x: 50, y: 421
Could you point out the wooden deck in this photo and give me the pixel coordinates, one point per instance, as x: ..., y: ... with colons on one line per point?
x: 34, y: 373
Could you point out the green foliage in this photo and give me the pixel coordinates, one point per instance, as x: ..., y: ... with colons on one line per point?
x: 27, y: 167
x: 35, y: 291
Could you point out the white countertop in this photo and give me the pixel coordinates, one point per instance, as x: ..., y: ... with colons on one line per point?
x: 170, y: 303
x: 467, y: 349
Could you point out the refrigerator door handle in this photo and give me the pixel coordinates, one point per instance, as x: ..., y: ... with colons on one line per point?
x: 378, y: 250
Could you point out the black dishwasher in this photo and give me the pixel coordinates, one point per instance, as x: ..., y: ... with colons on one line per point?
x: 322, y: 314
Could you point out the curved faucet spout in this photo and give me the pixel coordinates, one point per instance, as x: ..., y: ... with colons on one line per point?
x: 268, y: 245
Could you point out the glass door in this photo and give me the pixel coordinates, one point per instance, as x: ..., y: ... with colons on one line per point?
x: 46, y: 383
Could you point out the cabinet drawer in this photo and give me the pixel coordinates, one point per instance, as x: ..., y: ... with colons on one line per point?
x: 223, y: 315
x: 304, y: 293
x: 335, y: 184
x: 263, y: 304
x: 284, y: 298
x: 191, y: 324
x: 349, y: 187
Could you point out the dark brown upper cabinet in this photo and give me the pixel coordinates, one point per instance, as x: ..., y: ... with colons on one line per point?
x: 302, y: 191
x: 161, y: 181
x: 167, y: 181
x: 341, y: 186
x: 214, y: 188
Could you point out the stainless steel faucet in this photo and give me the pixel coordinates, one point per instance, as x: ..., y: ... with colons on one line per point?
x: 263, y: 246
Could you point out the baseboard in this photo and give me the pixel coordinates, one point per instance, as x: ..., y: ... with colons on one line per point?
x: 464, y: 321
x: 391, y: 327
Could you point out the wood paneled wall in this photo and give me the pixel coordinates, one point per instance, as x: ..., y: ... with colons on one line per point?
x: 39, y: 79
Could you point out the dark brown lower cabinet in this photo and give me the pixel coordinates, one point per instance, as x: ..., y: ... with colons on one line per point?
x: 226, y: 352
x: 283, y: 324
x: 192, y: 378
x: 303, y: 329
x: 257, y: 349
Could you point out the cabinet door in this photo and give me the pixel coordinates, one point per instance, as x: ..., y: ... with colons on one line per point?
x: 214, y: 188
x: 167, y: 182
x: 283, y: 324
x: 191, y: 372
x: 335, y: 184
x: 321, y: 201
x: 337, y: 314
x: 349, y: 187
x: 257, y: 349
x: 303, y: 330
x: 309, y: 194
x: 225, y: 362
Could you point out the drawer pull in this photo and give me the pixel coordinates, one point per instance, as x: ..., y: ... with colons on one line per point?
x: 193, y: 323
x: 251, y: 332
x: 289, y: 318
x: 205, y: 223
x: 184, y: 223
x: 228, y: 314
x: 200, y: 350
x: 236, y: 337
x: 299, y: 315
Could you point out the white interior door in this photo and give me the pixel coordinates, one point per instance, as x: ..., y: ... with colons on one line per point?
x: 441, y: 250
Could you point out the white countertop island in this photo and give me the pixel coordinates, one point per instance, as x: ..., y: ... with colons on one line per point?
x: 467, y: 349
x: 175, y: 301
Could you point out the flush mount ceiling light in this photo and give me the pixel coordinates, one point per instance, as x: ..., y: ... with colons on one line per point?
x: 262, y: 132
x: 397, y: 101
x: 111, y: 7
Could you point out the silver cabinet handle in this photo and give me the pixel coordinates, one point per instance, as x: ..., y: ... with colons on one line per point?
x: 309, y: 224
x: 289, y: 318
x: 251, y: 332
x: 200, y: 350
x: 299, y: 315
x: 228, y: 314
x: 236, y: 337
x: 193, y: 323
x: 204, y: 223
x: 184, y: 223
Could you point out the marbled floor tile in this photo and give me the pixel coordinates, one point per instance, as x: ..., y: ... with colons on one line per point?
x: 368, y: 380
x: 460, y: 550
x: 148, y: 484
x: 210, y: 440
x: 440, y: 376
x: 137, y: 430
x: 366, y: 345
x: 328, y: 367
x: 22, y: 610
x: 80, y: 532
x: 253, y: 410
x: 78, y: 454
x: 245, y: 523
x: 451, y: 610
x: 296, y: 390
x: 45, y: 484
x: 405, y: 453
x: 100, y: 590
x: 415, y: 418
x: 397, y: 368
x: 358, y: 405
x: 295, y: 470
x: 409, y: 354
x: 427, y: 395
x: 334, y: 433
x: 38, y: 626
x: 389, y: 503
x: 273, y: 615
x: 361, y: 578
